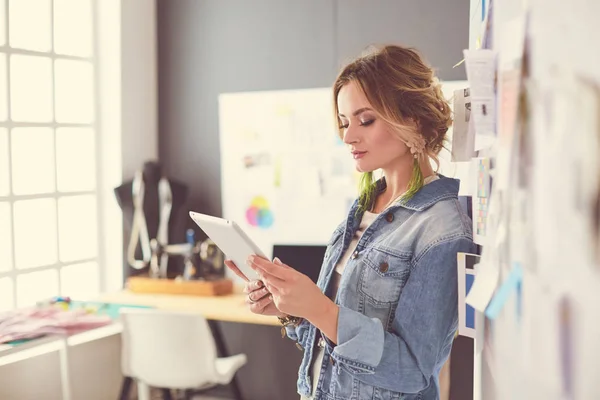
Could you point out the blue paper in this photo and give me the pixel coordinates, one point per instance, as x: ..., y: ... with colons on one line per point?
x: 510, y: 285
x: 470, y: 311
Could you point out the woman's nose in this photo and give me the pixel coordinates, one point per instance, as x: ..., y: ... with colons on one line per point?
x: 350, y: 136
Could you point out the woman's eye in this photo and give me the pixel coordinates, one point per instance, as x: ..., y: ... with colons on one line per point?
x: 367, y: 123
x: 344, y: 126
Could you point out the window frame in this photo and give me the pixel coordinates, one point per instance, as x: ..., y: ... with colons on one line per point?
x: 95, y: 125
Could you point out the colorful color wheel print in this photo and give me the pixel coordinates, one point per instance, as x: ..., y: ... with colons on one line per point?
x: 259, y: 214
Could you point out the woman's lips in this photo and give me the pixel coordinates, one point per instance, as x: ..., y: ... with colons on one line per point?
x: 358, y: 154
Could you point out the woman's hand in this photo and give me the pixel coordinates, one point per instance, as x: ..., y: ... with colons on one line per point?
x: 293, y: 292
x: 259, y: 300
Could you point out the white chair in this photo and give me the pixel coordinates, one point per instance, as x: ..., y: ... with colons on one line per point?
x: 172, y: 350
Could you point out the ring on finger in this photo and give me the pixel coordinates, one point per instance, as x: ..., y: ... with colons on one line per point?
x: 250, y: 299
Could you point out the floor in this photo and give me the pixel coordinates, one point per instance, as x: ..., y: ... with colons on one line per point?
x: 208, y: 398
x: 213, y: 394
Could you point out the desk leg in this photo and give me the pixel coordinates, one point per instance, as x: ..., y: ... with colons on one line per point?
x: 125, y: 388
x: 64, y: 370
x: 143, y: 391
x: 222, y: 351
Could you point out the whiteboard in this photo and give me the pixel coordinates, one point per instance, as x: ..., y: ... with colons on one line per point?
x: 286, y: 177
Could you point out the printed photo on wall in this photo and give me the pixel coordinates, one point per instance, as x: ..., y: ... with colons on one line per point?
x: 467, y: 269
x: 463, y: 134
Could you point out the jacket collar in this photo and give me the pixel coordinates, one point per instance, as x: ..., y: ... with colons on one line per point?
x: 440, y: 189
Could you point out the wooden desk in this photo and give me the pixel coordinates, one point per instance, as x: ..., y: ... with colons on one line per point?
x: 229, y: 308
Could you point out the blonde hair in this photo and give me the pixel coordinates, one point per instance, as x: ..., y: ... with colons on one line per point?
x: 404, y: 92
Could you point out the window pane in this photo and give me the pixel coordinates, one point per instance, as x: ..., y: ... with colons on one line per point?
x: 73, y: 27
x: 3, y: 89
x: 4, y: 175
x: 2, y: 22
x: 36, y: 286
x: 78, y: 227
x: 5, y: 238
x: 7, y: 301
x: 75, y: 159
x: 32, y: 160
x: 80, y: 281
x: 31, y: 88
x: 30, y: 24
x: 35, y: 233
x: 74, y: 91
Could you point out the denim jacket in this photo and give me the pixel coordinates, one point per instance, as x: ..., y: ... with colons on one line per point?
x: 397, y: 300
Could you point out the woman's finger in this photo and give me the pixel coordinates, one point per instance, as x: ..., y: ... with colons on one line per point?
x: 271, y: 279
x: 257, y: 307
x: 231, y: 265
x: 252, y: 286
x: 258, y: 294
x: 260, y: 264
x: 271, y: 289
x: 273, y: 285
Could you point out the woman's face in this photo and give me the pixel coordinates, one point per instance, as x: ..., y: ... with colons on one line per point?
x: 371, y: 140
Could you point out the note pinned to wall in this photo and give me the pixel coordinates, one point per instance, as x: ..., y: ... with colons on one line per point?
x: 467, y: 270
x: 481, y: 73
x: 481, y: 198
x: 484, y: 286
x: 510, y: 286
x: 463, y: 132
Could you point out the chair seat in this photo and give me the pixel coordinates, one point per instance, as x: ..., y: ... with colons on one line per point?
x: 174, y: 351
x: 227, y: 367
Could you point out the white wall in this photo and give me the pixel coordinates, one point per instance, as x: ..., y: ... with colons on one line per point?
x: 128, y: 112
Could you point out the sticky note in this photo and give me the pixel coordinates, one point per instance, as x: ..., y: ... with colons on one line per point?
x: 510, y: 285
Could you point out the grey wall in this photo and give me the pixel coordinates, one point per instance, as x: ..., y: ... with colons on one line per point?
x: 207, y: 47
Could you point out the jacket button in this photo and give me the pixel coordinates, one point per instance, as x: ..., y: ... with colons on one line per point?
x: 355, y: 255
x: 383, y: 267
x: 389, y: 217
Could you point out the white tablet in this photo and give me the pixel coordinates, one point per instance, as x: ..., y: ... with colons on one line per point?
x: 231, y: 239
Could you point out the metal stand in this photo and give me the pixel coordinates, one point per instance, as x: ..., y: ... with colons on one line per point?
x: 222, y: 351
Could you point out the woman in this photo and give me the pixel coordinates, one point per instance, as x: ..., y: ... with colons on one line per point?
x: 380, y: 322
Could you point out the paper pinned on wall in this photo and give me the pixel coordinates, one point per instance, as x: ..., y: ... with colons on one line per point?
x: 467, y: 270
x: 488, y: 273
x: 481, y: 73
x: 481, y: 198
x: 484, y: 286
x: 463, y: 134
x: 511, y: 285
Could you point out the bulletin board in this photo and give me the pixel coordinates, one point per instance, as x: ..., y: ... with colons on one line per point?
x: 534, y: 81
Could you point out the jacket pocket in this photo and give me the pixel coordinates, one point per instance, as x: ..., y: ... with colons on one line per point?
x: 381, y: 281
x: 366, y: 391
x: 383, y: 276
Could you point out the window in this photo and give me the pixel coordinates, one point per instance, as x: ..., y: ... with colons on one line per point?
x: 50, y: 235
